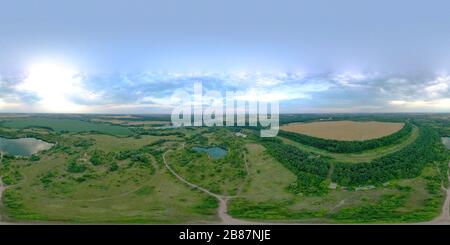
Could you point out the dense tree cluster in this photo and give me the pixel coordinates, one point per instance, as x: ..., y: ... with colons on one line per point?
x: 75, y: 167
x: 99, y: 157
x: 348, y: 146
x: 136, y: 156
x: 155, y: 132
x: 297, y: 160
x: 405, y: 163
x: 311, y: 170
x: 83, y: 143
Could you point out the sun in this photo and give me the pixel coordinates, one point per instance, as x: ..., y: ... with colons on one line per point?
x: 53, y: 84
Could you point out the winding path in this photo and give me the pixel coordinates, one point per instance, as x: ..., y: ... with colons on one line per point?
x: 223, y: 200
x: 2, y: 189
x: 444, y: 217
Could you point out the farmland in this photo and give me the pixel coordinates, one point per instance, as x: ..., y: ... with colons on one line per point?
x: 344, y: 130
x: 99, y: 172
x: 69, y: 125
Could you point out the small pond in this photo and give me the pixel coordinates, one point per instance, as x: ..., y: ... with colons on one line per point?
x: 23, y: 146
x: 214, y: 152
x: 446, y: 141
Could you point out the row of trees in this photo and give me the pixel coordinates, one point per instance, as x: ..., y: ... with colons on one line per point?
x: 311, y: 170
x: 348, y: 146
x: 405, y: 163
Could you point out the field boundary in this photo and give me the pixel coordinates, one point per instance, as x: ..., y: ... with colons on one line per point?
x: 340, y: 146
x: 363, y: 156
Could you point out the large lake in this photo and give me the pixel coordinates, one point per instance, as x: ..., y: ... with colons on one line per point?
x: 446, y: 141
x: 214, y: 152
x: 23, y: 146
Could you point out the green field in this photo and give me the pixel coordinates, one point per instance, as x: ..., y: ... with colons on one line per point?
x: 415, y: 199
x: 222, y: 176
x: 69, y: 125
x: 99, y: 173
x: 133, y: 193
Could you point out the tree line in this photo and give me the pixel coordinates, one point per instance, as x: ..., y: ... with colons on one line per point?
x: 405, y: 163
x: 312, y: 170
x: 338, y: 146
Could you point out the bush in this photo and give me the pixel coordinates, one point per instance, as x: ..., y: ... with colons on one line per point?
x: 74, y: 167
x: 113, y: 167
x: 35, y: 158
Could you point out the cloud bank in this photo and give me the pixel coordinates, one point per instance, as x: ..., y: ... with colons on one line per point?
x: 150, y: 92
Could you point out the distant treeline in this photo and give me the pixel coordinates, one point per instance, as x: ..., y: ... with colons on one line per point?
x: 387, y: 117
x: 348, y: 146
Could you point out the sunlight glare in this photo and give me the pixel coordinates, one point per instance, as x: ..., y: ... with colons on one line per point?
x: 53, y: 84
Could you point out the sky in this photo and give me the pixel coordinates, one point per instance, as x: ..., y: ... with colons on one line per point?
x: 107, y: 56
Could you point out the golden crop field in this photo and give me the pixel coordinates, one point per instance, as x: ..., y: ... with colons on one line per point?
x: 344, y: 130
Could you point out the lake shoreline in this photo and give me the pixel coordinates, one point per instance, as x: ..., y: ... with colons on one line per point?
x: 24, y: 147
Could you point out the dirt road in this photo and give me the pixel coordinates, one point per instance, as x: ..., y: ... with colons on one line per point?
x: 444, y: 218
x: 223, y: 200
x: 2, y: 188
x: 225, y: 218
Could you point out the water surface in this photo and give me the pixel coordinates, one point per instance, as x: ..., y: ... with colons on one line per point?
x: 23, y: 146
x: 214, y: 152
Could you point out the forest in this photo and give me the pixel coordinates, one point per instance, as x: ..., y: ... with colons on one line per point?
x: 311, y: 170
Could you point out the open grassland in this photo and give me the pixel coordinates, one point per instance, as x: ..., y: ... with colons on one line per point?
x: 135, y: 189
x: 113, y: 144
x: 91, y: 177
x: 69, y: 125
x: 132, y: 123
x: 268, y: 197
x: 268, y: 179
x: 131, y: 196
x: 344, y: 130
x: 223, y: 176
x: 13, y: 116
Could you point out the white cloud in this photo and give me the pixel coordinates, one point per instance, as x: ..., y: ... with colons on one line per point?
x: 398, y: 102
x: 10, y: 106
x: 417, y: 105
x: 267, y: 82
x: 353, y: 79
x: 291, y: 91
x: 438, y: 86
x: 396, y: 81
x: 57, y: 88
x: 349, y: 79
x: 159, y: 101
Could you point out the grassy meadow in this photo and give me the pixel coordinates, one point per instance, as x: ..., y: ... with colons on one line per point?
x: 100, y: 172
x: 67, y: 125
